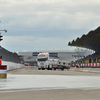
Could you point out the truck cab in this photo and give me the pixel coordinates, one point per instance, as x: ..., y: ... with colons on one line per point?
x: 43, y: 61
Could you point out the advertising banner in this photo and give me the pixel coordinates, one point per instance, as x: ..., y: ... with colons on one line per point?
x: 53, y: 54
x: 35, y: 53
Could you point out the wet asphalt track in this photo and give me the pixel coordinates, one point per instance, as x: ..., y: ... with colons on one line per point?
x: 50, y: 85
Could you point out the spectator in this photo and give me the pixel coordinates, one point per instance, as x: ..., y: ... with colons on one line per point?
x: 1, y: 60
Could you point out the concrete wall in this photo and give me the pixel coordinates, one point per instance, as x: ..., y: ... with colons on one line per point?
x: 12, y: 65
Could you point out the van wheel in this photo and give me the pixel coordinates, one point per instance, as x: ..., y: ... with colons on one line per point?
x: 62, y: 69
x: 39, y: 68
x: 48, y: 68
x: 54, y: 68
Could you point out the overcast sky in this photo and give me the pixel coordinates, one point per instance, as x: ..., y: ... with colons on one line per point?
x: 46, y: 24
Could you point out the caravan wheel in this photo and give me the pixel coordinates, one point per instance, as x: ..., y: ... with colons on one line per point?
x: 43, y: 68
x: 62, y: 69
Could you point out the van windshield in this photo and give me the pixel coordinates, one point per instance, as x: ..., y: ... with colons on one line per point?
x: 42, y: 59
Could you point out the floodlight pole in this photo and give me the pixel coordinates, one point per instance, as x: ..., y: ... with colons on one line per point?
x: 4, y: 30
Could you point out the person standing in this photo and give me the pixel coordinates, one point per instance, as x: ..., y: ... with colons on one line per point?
x: 1, y: 60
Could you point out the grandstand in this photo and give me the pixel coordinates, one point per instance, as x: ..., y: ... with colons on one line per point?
x: 92, y: 42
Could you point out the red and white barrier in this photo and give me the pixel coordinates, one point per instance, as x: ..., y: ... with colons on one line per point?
x: 95, y: 65
x: 85, y: 65
x: 91, y: 65
x: 78, y: 64
x: 3, y: 71
x: 98, y: 64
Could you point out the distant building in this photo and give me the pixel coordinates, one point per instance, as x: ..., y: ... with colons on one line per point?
x: 30, y: 57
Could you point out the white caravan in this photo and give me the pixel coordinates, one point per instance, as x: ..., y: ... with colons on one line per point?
x: 43, y: 61
x: 63, y: 64
x: 53, y: 62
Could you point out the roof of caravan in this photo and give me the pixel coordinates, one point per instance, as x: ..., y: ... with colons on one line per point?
x: 90, y: 40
